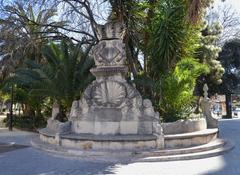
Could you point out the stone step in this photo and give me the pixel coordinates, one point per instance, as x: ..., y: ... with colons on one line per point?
x: 218, y: 143
x: 205, y: 132
x: 190, y: 139
x: 214, y: 148
x: 189, y: 156
x: 90, y: 155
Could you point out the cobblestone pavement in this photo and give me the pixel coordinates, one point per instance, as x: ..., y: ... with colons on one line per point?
x: 29, y: 161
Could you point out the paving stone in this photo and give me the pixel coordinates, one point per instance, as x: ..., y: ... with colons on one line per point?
x: 30, y: 161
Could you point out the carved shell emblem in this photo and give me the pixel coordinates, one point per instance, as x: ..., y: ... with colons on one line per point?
x: 109, y: 53
x: 109, y: 94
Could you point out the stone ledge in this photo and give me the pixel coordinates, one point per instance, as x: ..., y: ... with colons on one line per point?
x: 192, y: 134
x: 184, y: 126
x: 108, y: 70
x: 91, y: 137
x: 190, y: 139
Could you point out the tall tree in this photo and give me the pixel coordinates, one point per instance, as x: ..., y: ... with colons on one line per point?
x: 21, y: 36
x: 230, y: 59
x: 229, y: 20
x: 208, y: 54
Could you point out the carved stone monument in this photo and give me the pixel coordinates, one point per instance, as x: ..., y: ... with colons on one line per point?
x: 111, y: 109
x: 111, y: 121
x: 206, y: 108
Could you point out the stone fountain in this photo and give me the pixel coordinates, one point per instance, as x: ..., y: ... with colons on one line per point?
x: 112, y: 121
x: 111, y: 113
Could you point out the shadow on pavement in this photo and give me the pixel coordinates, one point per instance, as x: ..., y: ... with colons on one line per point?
x: 230, y: 129
x: 6, y: 147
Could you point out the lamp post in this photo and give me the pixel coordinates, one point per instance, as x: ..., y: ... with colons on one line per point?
x: 11, y: 111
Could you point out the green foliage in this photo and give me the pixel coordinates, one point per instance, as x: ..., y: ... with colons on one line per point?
x: 172, y: 71
x: 172, y: 37
x: 31, y: 105
x: 4, y: 96
x: 177, y: 88
x: 171, y: 30
x: 230, y: 59
x: 165, y: 34
x: 63, y: 78
x: 24, y: 30
x: 27, y: 122
x: 67, y: 73
x: 208, y: 53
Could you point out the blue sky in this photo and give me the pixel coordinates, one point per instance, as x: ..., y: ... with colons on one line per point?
x: 235, y: 3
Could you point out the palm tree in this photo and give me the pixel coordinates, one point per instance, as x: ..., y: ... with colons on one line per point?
x: 23, y: 32
x: 69, y: 68
x: 63, y: 78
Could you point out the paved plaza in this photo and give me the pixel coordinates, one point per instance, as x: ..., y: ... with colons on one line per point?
x: 29, y: 161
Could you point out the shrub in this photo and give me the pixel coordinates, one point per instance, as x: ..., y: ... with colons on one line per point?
x: 177, y: 87
x: 27, y: 123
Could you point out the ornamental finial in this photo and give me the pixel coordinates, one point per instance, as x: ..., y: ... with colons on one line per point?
x: 205, y: 90
x: 111, y: 30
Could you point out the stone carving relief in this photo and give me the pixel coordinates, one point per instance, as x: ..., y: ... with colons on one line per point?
x: 148, y: 108
x: 109, y: 53
x: 55, y: 110
x: 109, y: 94
x: 75, y: 109
x: 110, y: 30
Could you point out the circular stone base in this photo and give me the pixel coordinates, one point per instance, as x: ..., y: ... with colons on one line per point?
x: 100, y: 142
x: 213, y: 148
x: 83, y: 154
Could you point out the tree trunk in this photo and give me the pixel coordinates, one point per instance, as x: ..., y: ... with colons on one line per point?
x: 150, y: 15
x: 19, y: 111
x: 1, y: 107
x: 28, y: 110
